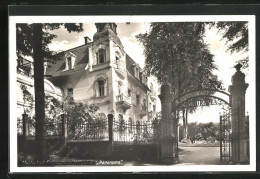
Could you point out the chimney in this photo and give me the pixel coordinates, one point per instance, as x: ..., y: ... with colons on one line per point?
x: 87, y: 39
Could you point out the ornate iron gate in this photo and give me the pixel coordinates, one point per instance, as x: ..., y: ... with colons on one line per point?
x: 225, y: 137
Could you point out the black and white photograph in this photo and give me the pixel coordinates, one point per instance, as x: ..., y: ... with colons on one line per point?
x: 132, y: 93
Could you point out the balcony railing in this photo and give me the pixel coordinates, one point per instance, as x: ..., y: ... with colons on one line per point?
x: 123, y: 101
x: 124, y: 98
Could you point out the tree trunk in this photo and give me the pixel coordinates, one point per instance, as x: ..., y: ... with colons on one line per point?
x: 186, y: 127
x: 41, y: 148
x: 185, y: 123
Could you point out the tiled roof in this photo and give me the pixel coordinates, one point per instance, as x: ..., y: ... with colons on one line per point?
x: 82, y: 58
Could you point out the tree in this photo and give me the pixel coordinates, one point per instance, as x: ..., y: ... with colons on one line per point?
x: 236, y: 35
x: 178, y: 51
x: 203, y: 131
x: 33, y: 40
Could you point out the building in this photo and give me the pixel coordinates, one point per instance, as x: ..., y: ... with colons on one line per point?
x: 24, y: 89
x: 100, y: 72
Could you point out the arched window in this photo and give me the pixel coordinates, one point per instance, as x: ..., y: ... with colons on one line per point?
x: 101, y: 56
x: 100, y: 86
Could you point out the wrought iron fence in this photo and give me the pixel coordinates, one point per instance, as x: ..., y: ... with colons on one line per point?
x: 225, y: 137
x: 88, y: 131
x: 122, y: 132
x: 136, y: 132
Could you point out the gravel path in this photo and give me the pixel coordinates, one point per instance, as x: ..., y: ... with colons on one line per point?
x: 199, y: 156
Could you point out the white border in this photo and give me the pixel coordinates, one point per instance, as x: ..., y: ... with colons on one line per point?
x: 90, y: 19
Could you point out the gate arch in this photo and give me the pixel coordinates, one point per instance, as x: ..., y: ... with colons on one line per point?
x: 203, y: 93
x: 236, y: 100
x: 207, y: 97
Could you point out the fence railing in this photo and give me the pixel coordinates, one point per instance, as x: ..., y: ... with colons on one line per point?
x: 117, y: 132
x: 225, y: 137
x: 136, y: 132
x: 88, y: 131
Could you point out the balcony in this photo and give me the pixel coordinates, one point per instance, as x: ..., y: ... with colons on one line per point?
x: 123, y: 101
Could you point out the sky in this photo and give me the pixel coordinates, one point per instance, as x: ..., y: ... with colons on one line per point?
x: 127, y: 32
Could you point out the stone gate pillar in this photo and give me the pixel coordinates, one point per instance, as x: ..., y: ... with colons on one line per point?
x: 166, y: 139
x: 237, y: 100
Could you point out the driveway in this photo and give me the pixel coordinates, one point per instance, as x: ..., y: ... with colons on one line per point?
x: 199, y: 156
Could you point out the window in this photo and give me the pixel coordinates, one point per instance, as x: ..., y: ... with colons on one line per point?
x: 70, y: 92
x: 144, y: 105
x: 101, y: 56
x: 69, y: 63
x: 101, y: 88
x: 117, y: 62
x: 129, y: 93
x: 137, y: 99
x: 144, y: 102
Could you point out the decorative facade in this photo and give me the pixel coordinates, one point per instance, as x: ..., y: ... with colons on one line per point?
x: 100, y: 72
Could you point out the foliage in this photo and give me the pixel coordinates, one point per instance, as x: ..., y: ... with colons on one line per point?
x: 83, y: 120
x: 76, y: 113
x: 236, y: 35
x: 24, y: 43
x: 33, y: 40
x: 203, y: 131
x: 53, y: 111
x: 235, y: 32
x: 178, y: 50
